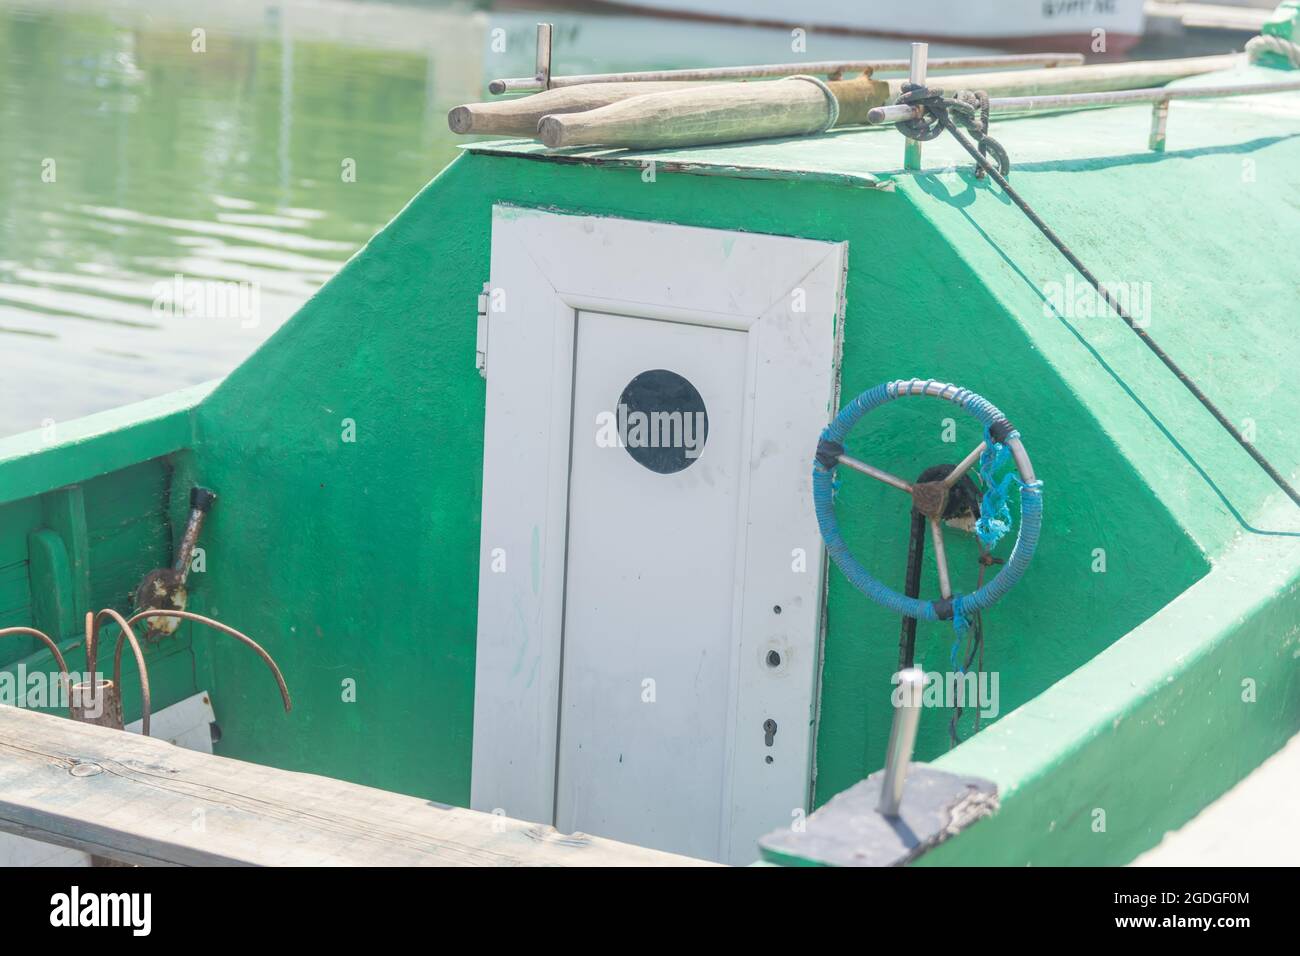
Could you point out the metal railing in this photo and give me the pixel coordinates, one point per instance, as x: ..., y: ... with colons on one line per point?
x: 1160, y: 97
x: 544, y: 80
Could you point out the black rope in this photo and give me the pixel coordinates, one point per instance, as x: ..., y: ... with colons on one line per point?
x: 943, y: 110
x: 975, y: 646
x: 912, y: 588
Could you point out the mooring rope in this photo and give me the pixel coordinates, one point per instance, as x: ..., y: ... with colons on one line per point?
x: 942, y: 110
x: 1256, y: 46
x: 832, y: 104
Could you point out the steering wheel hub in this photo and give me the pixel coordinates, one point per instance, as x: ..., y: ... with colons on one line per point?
x: 930, y: 498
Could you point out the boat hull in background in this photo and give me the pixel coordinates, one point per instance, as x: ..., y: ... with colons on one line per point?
x: 1058, y: 25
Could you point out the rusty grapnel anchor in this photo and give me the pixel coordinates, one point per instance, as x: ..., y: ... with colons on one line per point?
x: 99, y: 701
x: 161, y: 598
x: 95, y: 700
x: 165, y: 588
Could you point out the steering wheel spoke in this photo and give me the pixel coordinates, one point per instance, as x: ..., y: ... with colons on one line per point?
x: 940, y: 558
x: 871, y: 471
x: 966, y: 464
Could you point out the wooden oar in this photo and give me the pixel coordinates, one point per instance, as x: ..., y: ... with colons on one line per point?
x: 717, y: 114
x: 519, y: 116
x: 725, y: 113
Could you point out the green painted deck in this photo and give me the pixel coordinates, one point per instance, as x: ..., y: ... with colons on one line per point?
x: 1122, y: 690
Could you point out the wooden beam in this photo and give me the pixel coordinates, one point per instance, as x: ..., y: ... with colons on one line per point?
x: 140, y: 800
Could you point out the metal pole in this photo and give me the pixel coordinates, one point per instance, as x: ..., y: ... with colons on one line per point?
x: 872, y: 472
x: 543, y: 73
x: 201, y: 500
x: 920, y: 54
x: 1059, y: 101
x: 902, y: 739
x: 767, y: 70
x: 1159, y: 123
x: 940, y: 558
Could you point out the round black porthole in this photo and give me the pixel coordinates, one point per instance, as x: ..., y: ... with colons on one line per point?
x: 662, y: 421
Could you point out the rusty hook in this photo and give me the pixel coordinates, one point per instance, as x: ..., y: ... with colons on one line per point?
x: 224, y: 629
x: 50, y: 644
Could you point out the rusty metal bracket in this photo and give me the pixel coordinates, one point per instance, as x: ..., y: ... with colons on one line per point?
x: 165, y: 588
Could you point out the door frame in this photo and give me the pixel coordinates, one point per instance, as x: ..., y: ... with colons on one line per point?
x: 787, y: 294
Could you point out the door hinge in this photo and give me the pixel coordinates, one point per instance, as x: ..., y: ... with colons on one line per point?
x: 481, y: 349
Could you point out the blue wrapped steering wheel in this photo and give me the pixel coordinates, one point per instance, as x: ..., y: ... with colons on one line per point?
x: 929, y: 498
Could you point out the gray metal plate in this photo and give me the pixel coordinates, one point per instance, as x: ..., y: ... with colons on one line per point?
x: 848, y: 831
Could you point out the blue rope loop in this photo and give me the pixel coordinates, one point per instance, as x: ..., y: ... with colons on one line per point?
x: 995, y: 514
x: 963, y: 607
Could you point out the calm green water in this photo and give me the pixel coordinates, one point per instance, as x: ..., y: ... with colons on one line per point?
x: 128, y: 158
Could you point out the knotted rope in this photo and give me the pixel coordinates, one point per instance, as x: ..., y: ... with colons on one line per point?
x: 1257, y: 46
x: 969, y: 108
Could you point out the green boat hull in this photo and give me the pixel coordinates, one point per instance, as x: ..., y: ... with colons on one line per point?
x: 1147, y: 660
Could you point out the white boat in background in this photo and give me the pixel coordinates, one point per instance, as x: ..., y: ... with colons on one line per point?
x: 1086, y: 26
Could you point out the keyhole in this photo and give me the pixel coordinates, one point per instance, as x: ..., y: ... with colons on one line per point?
x: 769, y: 731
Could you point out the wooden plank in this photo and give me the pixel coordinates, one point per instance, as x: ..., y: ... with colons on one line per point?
x: 186, y: 723
x: 141, y: 800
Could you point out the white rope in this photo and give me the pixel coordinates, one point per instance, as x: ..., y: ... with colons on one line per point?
x: 1265, y: 43
x: 832, y: 104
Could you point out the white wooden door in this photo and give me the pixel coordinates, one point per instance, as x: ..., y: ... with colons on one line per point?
x: 650, y: 588
x: 649, y: 610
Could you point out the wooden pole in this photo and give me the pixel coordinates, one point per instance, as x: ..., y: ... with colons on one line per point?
x: 717, y: 114
x: 721, y: 113
x: 518, y: 117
